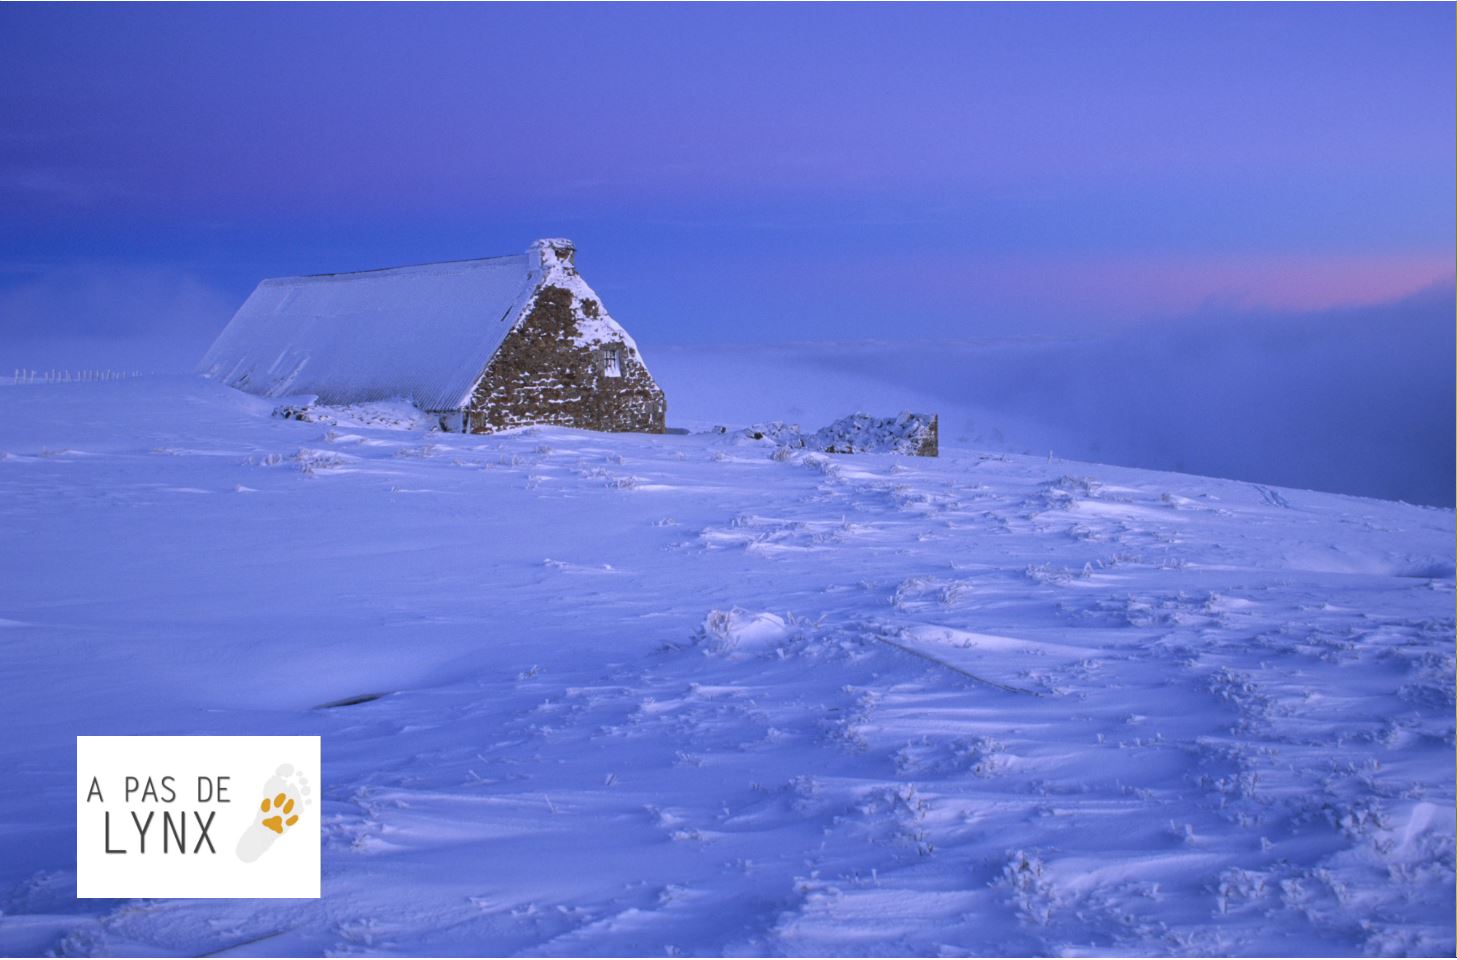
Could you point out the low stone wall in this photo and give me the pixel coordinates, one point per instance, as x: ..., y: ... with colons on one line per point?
x: 910, y: 434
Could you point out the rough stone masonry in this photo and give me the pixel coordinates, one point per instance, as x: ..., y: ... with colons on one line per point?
x: 547, y: 372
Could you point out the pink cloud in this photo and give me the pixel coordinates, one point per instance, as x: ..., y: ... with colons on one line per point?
x: 1140, y: 287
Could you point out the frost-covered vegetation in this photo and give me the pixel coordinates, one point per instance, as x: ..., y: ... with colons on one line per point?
x: 613, y: 694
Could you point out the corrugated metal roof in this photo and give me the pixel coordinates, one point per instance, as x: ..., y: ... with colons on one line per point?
x: 422, y: 332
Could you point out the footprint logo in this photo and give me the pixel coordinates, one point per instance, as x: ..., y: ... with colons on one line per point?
x: 285, y: 796
x: 283, y: 803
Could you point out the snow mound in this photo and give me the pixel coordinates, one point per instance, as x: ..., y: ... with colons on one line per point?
x: 397, y: 414
x: 739, y: 634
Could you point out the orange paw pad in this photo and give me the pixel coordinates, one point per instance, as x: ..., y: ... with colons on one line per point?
x: 284, y: 804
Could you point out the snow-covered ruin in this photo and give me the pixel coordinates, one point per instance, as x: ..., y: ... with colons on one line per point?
x: 909, y: 434
x: 482, y: 344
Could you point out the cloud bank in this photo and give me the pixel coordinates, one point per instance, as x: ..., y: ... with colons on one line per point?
x: 1356, y: 400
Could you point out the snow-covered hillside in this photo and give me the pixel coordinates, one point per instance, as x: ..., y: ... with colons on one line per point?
x: 676, y: 695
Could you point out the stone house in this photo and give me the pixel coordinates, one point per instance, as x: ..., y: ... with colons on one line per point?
x: 484, y: 344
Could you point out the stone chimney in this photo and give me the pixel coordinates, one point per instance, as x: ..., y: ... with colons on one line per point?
x: 555, y: 251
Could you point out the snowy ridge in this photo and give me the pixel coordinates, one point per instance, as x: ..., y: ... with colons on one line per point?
x: 799, y: 705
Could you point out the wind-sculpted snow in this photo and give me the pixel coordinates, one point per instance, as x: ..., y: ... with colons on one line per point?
x: 613, y: 694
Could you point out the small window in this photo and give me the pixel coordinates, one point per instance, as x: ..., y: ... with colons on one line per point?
x: 612, y: 361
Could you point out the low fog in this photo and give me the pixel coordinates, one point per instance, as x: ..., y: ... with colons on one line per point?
x: 153, y: 320
x: 1356, y: 400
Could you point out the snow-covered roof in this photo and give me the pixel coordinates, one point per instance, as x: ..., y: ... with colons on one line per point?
x: 421, y: 332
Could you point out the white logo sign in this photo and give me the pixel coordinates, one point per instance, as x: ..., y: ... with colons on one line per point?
x: 197, y: 816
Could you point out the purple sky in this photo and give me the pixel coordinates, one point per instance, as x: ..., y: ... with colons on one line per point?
x: 751, y: 173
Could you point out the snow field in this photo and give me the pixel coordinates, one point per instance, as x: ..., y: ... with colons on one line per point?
x: 679, y: 695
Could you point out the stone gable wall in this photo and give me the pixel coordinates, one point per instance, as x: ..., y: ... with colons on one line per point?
x: 542, y: 375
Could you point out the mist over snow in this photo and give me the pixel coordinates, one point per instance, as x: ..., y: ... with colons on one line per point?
x: 1356, y: 400
x: 154, y: 319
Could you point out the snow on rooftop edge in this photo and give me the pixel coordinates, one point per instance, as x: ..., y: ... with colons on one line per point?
x: 340, y: 336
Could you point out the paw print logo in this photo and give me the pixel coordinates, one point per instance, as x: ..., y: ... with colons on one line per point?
x: 283, y: 803
x: 285, y: 797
